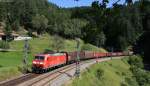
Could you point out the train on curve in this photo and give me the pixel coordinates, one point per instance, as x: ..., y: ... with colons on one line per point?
x: 46, y: 61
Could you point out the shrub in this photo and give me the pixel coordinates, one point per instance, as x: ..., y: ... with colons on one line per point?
x: 20, y: 69
x: 24, y: 69
x: 123, y: 84
x: 142, y: 77
x: 90, y: 47
x: 47, y: 50
x: 131, y: 82
x: 123, y: 74
x: 118, y: 73
x: 58, y: 43
x: 136, y: 61
x: 99, y: 73
x: 8, y: 72
x: 88, y: 70
x: 110, y: 64
x: 4, y: 45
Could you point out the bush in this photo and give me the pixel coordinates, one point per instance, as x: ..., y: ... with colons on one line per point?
x: 110, y: 64
x: 99, y: 73
x: 123, y: 74
x: 88, y: 70
x: 47, y: 50
x: 90, y: 47
x: 22, y: 69
x: 131, y: 81
x: 8, y: 72
x: 136, y: 61
x: 118, y: 73
x: 58, y: 43
x: 4, y: 45
x: 123, y: 84
x: 142, y: 77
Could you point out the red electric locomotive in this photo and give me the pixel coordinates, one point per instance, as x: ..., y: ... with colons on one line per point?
x: 42, y: 62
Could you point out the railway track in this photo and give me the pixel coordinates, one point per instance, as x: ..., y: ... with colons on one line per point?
x: 30, y: 76
x: 52, y: 75
x: 49, y: 77
x: 43, y: 79
x: 19, y: 80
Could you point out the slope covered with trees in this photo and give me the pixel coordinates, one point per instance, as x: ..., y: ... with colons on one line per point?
x: 116, y: 29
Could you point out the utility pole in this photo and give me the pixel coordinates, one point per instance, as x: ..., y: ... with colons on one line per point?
x: 25, y: 57
x: 112, y: 50
x: 97, y: 43
x: 77, y: 72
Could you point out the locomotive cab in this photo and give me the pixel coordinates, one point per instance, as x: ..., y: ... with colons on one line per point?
x: 38, y: 63
x: 39, y: 60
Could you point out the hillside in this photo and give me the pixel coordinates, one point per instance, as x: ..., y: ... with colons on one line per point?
x: 112, y: 73
x: 115, y: 28
x: 123, y: 27
x: 11, y: 62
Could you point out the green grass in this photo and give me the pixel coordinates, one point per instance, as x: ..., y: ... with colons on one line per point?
x: 12, y: 60
x: 115, y: 73
x: 37, y: 46
x: 90, y: 47
x: 8, y: 72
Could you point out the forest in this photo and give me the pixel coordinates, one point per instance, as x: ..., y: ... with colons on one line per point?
x: 119, y: 28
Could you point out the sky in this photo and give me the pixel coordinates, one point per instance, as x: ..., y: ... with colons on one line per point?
x: 73, y: 3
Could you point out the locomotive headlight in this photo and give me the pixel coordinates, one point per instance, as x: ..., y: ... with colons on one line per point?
x: 41, y: 63
x: 34, y: 62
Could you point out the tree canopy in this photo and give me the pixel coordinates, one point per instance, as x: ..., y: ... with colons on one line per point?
x: 117, y: 28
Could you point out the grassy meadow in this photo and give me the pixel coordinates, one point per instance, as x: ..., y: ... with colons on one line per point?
x: 11, y: 61
x: 110, y: 73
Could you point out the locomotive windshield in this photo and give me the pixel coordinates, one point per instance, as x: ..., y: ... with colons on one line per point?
x: 39, y: 57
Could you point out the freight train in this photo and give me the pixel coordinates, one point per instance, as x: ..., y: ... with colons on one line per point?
x: 46, y: 61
